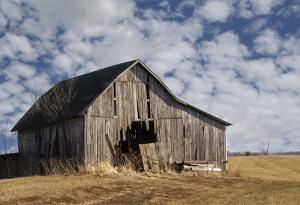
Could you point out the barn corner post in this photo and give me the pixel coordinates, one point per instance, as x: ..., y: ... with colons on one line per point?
x: 226, y: 160
x: 226, y: 157
x: 86, y: 137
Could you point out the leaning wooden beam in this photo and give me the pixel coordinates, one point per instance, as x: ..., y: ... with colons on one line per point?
x: 111, y: 149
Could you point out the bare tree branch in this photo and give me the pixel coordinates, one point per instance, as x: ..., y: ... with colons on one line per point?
x: 265, y: 144
x: 57, y: 101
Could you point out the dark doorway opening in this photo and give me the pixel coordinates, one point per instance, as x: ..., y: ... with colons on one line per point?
x: 137, y: 134
x: 140, y: 134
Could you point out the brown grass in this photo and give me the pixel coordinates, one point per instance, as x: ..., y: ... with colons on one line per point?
x: 249, y: 181
x: 273, y: 167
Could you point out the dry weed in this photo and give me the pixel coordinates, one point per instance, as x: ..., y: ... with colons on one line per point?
x: 60, y: 167
x: 232, y: 173
x: 101, y: 169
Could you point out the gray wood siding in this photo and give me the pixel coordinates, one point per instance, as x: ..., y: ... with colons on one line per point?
x: 182, y: 133
x: 61, y: 141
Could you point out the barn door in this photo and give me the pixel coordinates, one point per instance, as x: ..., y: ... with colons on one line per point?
x: 149, y: 157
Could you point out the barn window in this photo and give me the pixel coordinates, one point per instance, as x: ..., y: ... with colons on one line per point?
x: 151, y: 127
x: 138, y: 111
x: 147, y: 91
x: 148, y: 109
x: 184, y: 132
x: 115, y: 108
x: 115, y: 100
x: 147, y: 88
x: 115, y: 91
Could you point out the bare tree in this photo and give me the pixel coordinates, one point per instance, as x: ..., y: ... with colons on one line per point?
x: 52, y: 107
x: 57, y: 102
x: 4, y: 135
x: 265, y: 144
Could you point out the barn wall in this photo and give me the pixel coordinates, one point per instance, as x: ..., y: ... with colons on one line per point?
x: 182, y: 133
x: 63, y: 141
x: 13, y: 165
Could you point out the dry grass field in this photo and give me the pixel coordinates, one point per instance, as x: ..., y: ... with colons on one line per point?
x: 250, y: 180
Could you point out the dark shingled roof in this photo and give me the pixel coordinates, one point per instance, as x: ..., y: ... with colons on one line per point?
x: 86, y: 88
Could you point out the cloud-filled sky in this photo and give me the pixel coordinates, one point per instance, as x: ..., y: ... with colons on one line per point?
x: 237, y: 59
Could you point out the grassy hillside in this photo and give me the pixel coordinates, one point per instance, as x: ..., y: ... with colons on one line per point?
x: 262, y: 180
x: 274, y: 167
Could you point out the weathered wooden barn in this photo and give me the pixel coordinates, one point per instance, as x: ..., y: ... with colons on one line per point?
x: 125, y: 108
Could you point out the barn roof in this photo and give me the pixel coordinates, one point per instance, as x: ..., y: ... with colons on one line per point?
x: 86, y: 88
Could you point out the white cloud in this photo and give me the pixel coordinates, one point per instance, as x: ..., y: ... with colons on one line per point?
x: 290, y: 61
x: 251, y: 8
x: 4, y: 94
x: 256, y: 25
x: 186, y: 4
x: 3, y: 22
x: 89, y: 66
x: 6, y: 108
x: 11, y: 10
x: 164, y: 4
x: 8, y: 102
x: 16, y: 46
x: 259, y: 71
x: 174, y: 84
x: 268, y: 42
x: 265, y: 6
x: 216, y: 11
x: 19, y: 42
x: 291, y: 9
x: 246, y: 91
x: 288, y: 82
x: 175, y: 41
x: 11, y: 87
x: 79, y: 51
x: 34, y: 28
x: 291, y: 45
x: 224, y: 50
x: 38, y: 84
x: 62, y: 64
x: 17, y: 70
x: 82, y: 17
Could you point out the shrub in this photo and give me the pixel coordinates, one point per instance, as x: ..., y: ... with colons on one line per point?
x: 247, y: 153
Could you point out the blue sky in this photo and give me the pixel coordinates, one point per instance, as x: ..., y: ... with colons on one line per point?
x: 238, y: 59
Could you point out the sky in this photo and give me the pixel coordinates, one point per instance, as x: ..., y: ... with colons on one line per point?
x: 236, y: 59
